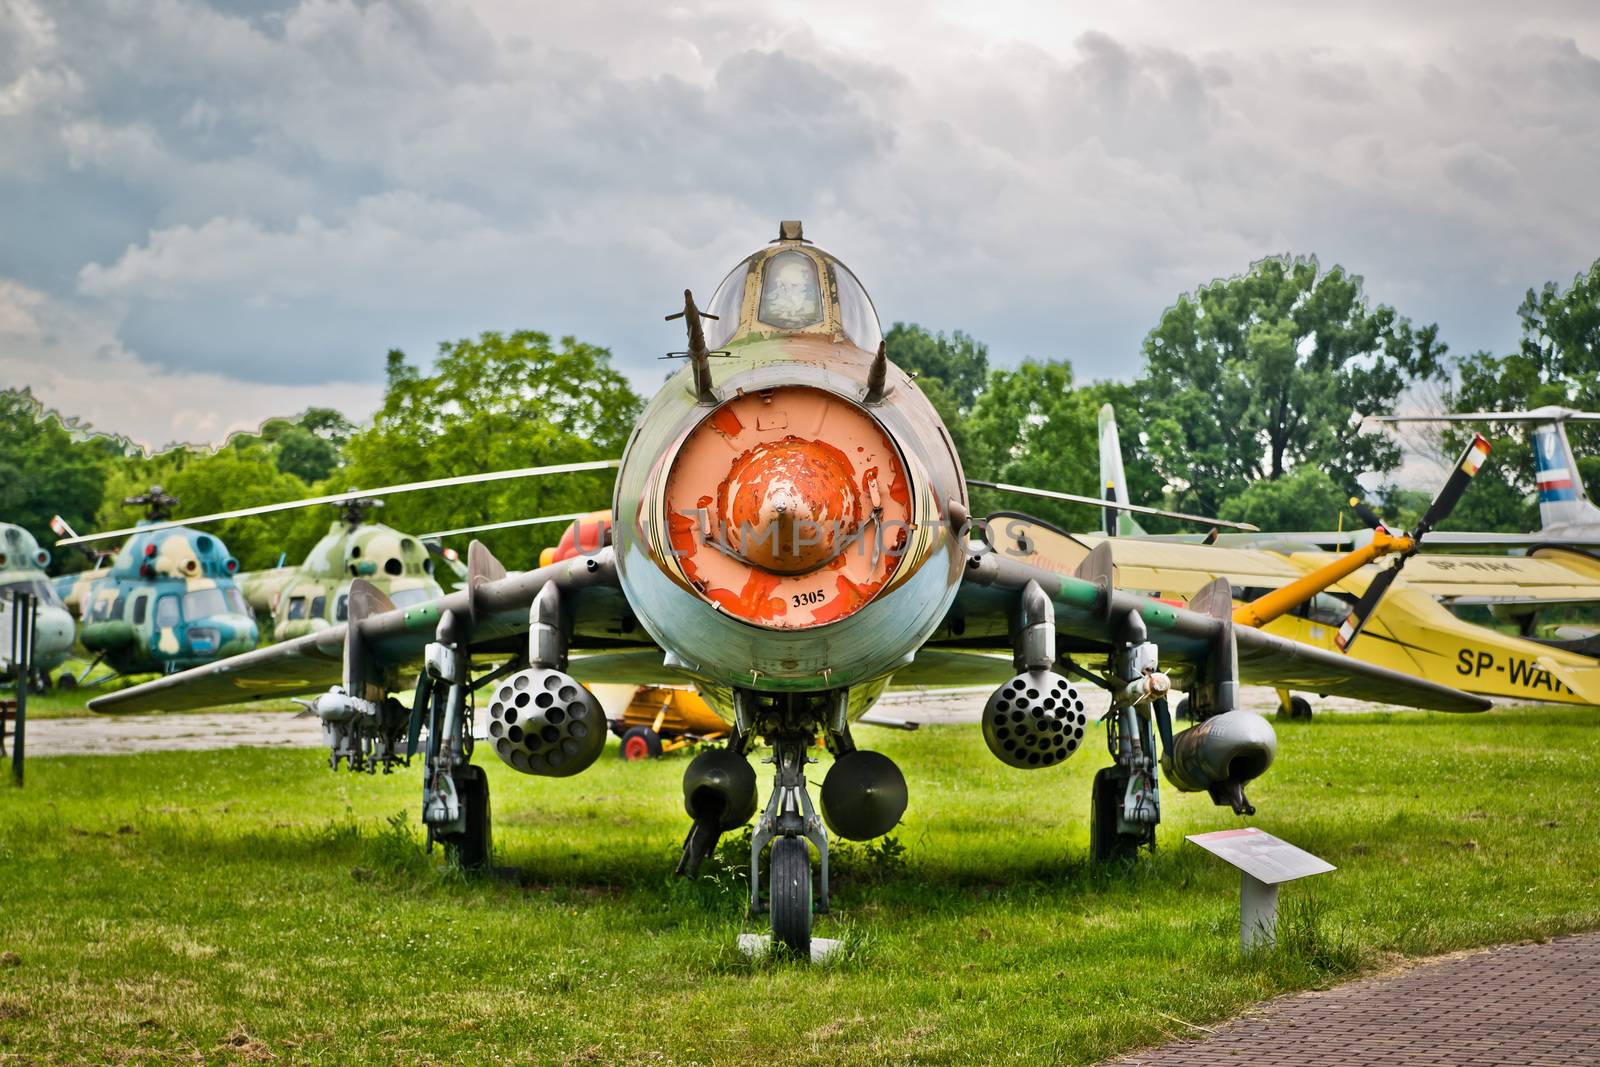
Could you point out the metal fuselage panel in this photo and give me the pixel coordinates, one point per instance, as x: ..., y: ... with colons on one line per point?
x: 720, y: 652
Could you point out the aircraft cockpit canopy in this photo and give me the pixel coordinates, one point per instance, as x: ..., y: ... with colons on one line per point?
x: 792, y: 286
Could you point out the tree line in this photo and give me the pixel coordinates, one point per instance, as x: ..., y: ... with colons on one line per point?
x: 1250, y: 406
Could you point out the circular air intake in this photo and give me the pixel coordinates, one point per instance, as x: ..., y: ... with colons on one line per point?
x: 788, y: 507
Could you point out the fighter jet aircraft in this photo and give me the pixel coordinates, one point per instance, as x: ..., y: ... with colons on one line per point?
x: 791, y: 533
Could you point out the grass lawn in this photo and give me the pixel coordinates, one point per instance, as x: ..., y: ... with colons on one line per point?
x: 245, y: 905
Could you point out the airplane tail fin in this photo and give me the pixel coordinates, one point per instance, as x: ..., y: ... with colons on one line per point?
x: 1562, y: 499
x: 1113, y: 483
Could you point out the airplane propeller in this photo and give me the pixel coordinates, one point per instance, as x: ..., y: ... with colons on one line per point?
x: 1472, y: 458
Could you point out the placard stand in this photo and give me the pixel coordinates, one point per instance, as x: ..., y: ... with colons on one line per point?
x: 1264, y: 862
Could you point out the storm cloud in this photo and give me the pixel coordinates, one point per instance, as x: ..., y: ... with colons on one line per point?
x: 242, y: 207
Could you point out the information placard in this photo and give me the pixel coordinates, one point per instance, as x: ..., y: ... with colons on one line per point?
x: 1265, y: 858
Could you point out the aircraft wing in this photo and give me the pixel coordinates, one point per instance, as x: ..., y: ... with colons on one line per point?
x: 1440, y: 538
x: 1087, y: 614
x: 396, y: 637
x: 1142, y: 564
x: 1549, y: 578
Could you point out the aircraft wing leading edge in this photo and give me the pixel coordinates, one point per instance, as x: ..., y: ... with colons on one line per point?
x: 499, y: 610
x: 1187, y: 639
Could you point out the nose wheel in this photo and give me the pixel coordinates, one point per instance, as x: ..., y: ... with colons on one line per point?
x: 788, y: 824
x: 791, y: 895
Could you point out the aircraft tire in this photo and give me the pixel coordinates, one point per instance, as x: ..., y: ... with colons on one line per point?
x: 472, y: 849
x: 66, y: 680
x: 790, y: 879
x: 640, y: 742
x: 1106, y: 845
x: 1300, y: 708
x: 1182, y: 711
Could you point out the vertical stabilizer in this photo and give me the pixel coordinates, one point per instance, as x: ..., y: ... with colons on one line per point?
x: 1113, y: 483
x: 1562, y: 500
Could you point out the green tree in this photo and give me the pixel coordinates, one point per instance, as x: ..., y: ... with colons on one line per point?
x: 49, y: 467
x: 1305, y: 498
x: 495, y: 402
x: 951, y: 371
x: 1031, y: 427
x: 309, y: 447
x: 1557, y: 362
x: 238, y: 475
x: 1269, y: 370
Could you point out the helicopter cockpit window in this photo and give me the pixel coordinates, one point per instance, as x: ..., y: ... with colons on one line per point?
x: 237, y: 604
x: 41, y: 589
x: 856, y: 313
x: 405, y: 598
x: 167, y: 615
x: 791, y: 296
x: 297, y: 607
x: 341, y: 608
x: 204, y: 603
x: 725, y: 305
x: 141, y: 605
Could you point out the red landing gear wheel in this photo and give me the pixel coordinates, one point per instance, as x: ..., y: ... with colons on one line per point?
x: 641, y: 742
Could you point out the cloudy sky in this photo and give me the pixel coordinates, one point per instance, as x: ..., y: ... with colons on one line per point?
x: 215, y: 212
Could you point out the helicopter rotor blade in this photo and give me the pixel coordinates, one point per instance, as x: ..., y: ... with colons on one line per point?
x: 336, y: 498
x: 1051, y: 494
x: 509, y: 524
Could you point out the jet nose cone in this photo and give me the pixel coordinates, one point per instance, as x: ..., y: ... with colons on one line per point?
x: 789, y: 506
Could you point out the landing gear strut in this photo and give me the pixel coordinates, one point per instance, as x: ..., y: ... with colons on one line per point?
x: 455, y: 794
x: 1125, y: 805
x: 788, y: 822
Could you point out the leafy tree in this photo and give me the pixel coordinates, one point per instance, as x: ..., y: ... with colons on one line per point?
x: 311, y: 446
x: 1031, y: 427
x: 1256, y: 374
x: 1557, y: 362
x: 238, y: 475
x: 950, y: 371
x: 495, y: 402
x: 49, y: 467
x: 1305, y: 498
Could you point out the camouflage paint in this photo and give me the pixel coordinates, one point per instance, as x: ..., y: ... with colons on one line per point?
x: 315, y: 595
x: 167, y: 602
x: 22, y: 564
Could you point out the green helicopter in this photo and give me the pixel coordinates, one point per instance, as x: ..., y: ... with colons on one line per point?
x: 167, y: 602
x: 316, y: 593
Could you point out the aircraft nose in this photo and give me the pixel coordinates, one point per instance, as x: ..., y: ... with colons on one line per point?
x: 788, y: 506
x: 53, y: 631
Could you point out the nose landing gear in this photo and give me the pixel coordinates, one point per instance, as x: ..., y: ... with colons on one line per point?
x: 788, y: 822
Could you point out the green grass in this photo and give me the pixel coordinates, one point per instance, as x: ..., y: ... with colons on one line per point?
x: 238, y: 905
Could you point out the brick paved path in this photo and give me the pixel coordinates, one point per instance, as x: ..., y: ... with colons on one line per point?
x: 1527, y: 1005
